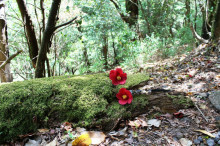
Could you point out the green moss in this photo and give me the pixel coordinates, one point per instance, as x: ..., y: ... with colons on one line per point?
x: 28, y: 105
x: 181, y: 100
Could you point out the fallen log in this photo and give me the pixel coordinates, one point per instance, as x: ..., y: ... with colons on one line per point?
x: 87, y: 101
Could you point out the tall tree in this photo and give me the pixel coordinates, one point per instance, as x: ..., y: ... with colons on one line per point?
x: 38, y: 59
x: 4, y: 52
x: 5, y: 73
x: 216, y: 24
x: 208, y: 18
x: 30, y: 32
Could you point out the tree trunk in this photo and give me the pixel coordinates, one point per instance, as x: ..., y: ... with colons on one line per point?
x: 105, y: 51
x: 132, y: 10
x: 208, y: 19
x: 5, y: 75
x: 216, y: 24
x: 31, y: 36
x: 187, y: 13
x: 47, y: 36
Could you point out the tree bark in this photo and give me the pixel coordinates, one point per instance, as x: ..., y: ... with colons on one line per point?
x: 216, y: 25
x: 187, y: 13
x: 31, y: 36
x: 208, y: 18
x: 105, y: 51
x: 5, y: 74
x: 47, y: 36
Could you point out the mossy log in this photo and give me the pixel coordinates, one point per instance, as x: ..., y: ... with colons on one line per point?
x: 86, y: 101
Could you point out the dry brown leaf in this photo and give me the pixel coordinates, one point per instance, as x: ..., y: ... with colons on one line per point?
x: 206, y: 132
x: 43, y: 130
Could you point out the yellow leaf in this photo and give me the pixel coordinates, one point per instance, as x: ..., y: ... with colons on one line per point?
x: 206, y: 132
x: 180, y: 78
x: 190, y: 93
x: 82, y: 140
x: 151, y: 78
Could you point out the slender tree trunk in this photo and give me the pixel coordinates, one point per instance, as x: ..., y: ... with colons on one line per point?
x: 208, y: 18
x: 5, y: 74
x: 47, y: 36
x: 216, y: 24
x: 114, y: 50
x: 187, y: 13
x: 105, y: 51
x: 85, y: 54
x: 31, y: 36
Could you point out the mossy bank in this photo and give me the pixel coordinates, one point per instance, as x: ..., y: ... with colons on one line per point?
x: 83, y: 100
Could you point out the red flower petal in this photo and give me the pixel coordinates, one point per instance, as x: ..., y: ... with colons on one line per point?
x: 119, y: 70
x: 130, y: 100
x: 119, y: 96
x: 178, y: 115
x: 122, y: 102
x: 112, y: 74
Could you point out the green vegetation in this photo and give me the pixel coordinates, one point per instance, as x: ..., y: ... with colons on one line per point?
x: 28, y: 105
x: 101, y: 38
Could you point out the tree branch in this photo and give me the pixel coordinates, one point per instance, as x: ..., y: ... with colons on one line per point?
x: 10, y: 58
x: 64, y: 24
x: 123, y: 17
x: 196, y: 35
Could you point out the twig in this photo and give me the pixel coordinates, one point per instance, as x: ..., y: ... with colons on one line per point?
x: 112, y: 137
x: 20, y: 74
x: 10, y: 58
x: 201, y: 112
x: 115, y: 124
x: 64, y: 24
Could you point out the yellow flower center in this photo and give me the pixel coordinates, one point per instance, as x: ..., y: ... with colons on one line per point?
x: 118, y: 78
x: 124, y: 96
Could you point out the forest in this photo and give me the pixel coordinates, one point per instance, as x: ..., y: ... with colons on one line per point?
x: 66, y: 66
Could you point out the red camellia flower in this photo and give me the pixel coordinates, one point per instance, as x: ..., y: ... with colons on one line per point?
x: 117, y: 76
x: 124, y: 96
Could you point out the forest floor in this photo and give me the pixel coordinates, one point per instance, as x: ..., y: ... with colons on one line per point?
x: 196, y: 75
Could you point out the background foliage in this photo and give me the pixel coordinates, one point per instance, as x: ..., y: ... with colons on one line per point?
x: 161, y: 32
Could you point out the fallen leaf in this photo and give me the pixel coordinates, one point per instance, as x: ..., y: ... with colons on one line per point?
x: 119, y: 133
x: 82, y: 140
x: 67, y: 126
x: 139, y: 122
x: 80, y: 130
x: 96, y: 137
x: 178, y: 115
x: 53, y: 143
x: 185, y: 142
x: 206, y: 132
x: 189, y: 93
x: 154, y: 122
x: 43, y: 130
x: 89, y: 137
